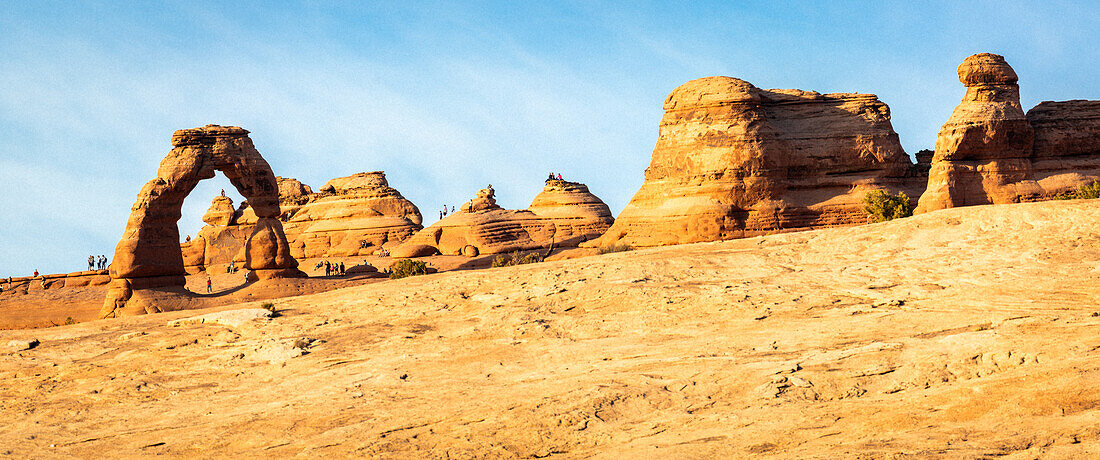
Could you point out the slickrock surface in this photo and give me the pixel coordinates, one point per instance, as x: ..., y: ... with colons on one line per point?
x: 963, y: 333
x: 990, y: 152
x: 564, y: 213
x: 147, y: 271
x: 733, y: 160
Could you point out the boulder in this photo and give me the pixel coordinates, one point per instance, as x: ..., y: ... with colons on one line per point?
x: 990, y: 152
x: 221, y: 211
x: 733, y: 160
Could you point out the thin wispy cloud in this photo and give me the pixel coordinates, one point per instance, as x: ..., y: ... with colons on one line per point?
x: 444, y: 98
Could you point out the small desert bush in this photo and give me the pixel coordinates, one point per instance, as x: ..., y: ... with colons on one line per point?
x: 614, y: 247
x: 269, y: 306
x: 517, y: 259
x: 1088, y: 191
x: 407, y: 267
x: 882, y: 206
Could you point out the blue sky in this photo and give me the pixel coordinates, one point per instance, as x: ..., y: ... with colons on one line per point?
x: 448, y: 97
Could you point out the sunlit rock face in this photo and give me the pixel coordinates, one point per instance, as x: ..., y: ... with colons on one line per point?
x: 733, y: 160
x: 563, y: 214
x: 147, y: 272
x: 990, y: 152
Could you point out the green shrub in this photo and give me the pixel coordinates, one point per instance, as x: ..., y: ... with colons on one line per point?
x: 517, y: 258
x: 882, y: 206
x: 269, y: 306
x: 1084, y: 192
x: 614, y: 247
x: 407, y: 267
x: 1088, y: 191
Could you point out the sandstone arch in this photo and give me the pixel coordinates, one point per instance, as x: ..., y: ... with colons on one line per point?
x: 147, y: 273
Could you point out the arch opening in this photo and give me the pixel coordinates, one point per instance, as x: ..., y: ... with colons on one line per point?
x: 147, y: 273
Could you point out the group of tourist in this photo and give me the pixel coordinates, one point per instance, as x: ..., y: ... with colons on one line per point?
x: 443, y: 213
x: 95, y: 263
x: 332, y: 268
x: 548, y: 179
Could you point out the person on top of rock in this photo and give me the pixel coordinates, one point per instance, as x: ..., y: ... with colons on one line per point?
x: 452, y: 209
x: 444, y: 210
x: 36, y: 273
x: 91, y: 262
x: 188, y: 240
x: 103, y: 263
x: 223, y: 192
x: 559, y: 176
x: 440, y: 215
x: 551, y: 177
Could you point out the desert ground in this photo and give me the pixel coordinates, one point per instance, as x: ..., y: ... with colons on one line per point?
x: 964, y: 333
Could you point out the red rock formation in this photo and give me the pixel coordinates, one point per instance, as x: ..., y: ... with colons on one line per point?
x: 359, y: 215
x: 1066, y: 152
x: 989, y: 152
x: 576, y: 213
x: 354, y: 215
x: 733, y: 160
x: 148, y: 268
x: 564, y: 213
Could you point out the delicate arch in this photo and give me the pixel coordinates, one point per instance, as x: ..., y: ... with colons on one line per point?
x: 149, y: 256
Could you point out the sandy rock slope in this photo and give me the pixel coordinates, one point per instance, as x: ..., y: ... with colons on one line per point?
x: 960, y: 333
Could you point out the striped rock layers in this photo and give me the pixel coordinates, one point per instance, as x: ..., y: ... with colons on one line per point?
x: 563, y: 214
x: 733, y: 160
x: 147, y: 272
x: 990, y: 152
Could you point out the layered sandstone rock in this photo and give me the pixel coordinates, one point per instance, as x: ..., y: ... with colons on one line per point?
x: 576, y: 213
x: 148, y: 268
x: 563, y: 214
x: 1066, y: 152
x: 353, y: 215
x: 733, y: 160
x: 990, y: 152
x: 360, y: 214
x: 220, y: 212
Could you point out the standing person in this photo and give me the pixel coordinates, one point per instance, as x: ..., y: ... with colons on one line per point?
x: 209, y: 285
x: 328, y: 268
x: 91, y: 262
x: 341, y: 269
x: 452, y: 209
x: 444, y: 210
x: 36, y: 273
x: 246, y: 273
x: 440, y: 215
x: 548, y: 179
